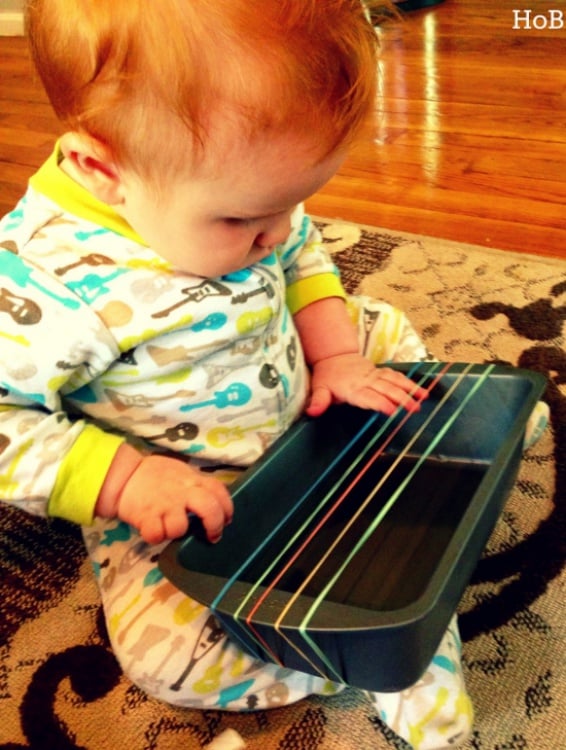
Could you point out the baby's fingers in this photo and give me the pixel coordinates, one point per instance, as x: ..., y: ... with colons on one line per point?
x: 210, y: 500
x: 386, y: 390
x: 400, y: 389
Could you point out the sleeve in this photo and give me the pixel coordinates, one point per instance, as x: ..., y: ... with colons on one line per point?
x: 309, y: 272
x: 51, y: 344
x: 81, y: 474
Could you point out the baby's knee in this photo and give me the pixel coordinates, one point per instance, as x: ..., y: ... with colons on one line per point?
x: 429, y: 719
x: 222, y: 678
x: 180, y: 665
x: 436, y: 712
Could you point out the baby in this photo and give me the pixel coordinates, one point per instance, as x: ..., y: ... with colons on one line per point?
x: 160, y: 278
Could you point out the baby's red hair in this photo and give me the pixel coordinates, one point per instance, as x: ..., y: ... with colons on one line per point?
x: 118, y: 69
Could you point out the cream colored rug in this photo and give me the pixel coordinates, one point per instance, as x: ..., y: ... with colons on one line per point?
x: 59, y: 685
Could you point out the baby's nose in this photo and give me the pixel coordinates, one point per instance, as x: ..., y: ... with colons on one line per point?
x: 276, y: 231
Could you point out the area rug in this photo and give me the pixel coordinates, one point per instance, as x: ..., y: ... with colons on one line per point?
x: 60, y: 688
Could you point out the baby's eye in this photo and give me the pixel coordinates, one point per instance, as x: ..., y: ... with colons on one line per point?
x: 234, y: 221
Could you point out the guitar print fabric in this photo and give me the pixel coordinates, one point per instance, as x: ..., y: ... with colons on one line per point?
x: 60, y: 677
x: 148, y: 351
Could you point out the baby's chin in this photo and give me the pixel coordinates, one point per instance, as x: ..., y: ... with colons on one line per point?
x: 258, y: 253
x: 255, y: 255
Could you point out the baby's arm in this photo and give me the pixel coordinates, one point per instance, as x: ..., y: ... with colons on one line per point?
x: 339, y: 372
x: 155, y: 493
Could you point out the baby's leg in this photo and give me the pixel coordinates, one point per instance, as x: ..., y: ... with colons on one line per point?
x: 385, y: 334
x: 435, y: 712
x: 171, y: 646
x: 173, y: 649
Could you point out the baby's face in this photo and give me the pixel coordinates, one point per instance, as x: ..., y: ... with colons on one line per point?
x: 233, y: 211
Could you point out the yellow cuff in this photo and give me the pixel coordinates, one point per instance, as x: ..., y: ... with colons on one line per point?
x: 51, y: 181
x: 81, y: 475
x: 305, y: 291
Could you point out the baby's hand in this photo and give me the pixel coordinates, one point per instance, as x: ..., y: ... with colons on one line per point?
x: 352, y: 379
x: 161, y: 492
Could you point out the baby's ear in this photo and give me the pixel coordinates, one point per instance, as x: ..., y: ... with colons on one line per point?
x: 90, y: 163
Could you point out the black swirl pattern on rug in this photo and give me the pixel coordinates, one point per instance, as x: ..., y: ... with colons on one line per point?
x: 541, y: 320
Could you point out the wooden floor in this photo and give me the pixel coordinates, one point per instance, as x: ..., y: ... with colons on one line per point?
x: 468, y: 140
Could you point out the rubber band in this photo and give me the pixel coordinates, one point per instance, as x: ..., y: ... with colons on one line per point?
x: 251, y: 631
x: 387, y: 507
x: 237, y: 574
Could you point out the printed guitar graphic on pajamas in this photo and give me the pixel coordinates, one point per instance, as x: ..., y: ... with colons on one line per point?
x: 209, y: 288
x: 22, y: 310
x: 15, y: 268
x: 210, y: 634
x: 92, y: 259
x: 245, y: 296
x: 220, y: 437
x: 236, y: 394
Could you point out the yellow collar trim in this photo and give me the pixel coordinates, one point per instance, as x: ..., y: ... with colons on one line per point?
x: 52, y: 182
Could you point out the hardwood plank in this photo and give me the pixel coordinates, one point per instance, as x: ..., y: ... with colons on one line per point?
x: 468, y: 140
